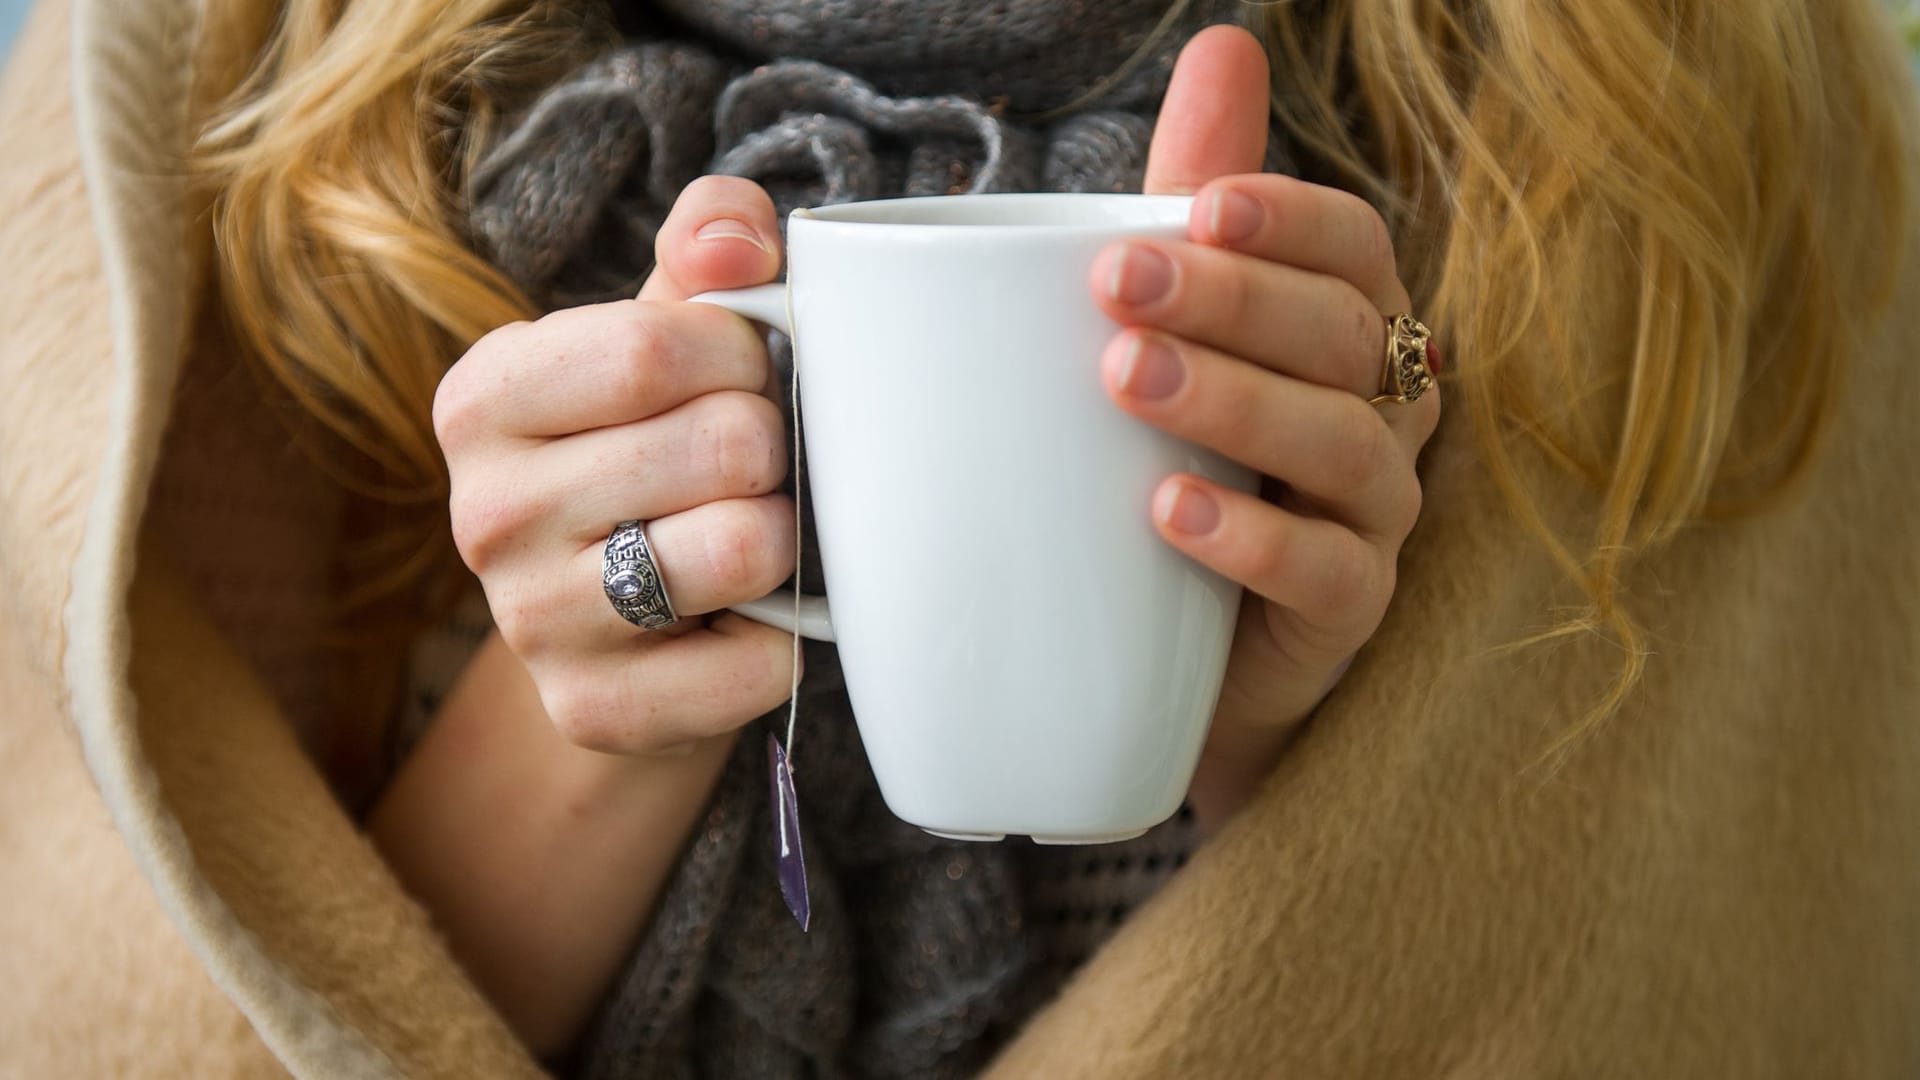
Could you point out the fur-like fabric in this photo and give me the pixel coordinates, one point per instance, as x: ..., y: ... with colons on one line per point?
x: 203, y: 865
x: 94, y: 979
x: 1724, y: 882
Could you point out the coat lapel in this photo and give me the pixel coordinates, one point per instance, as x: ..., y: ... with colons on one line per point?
x: 270, y: 884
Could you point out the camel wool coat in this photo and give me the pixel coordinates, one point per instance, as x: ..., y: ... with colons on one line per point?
x: 1725, y: 882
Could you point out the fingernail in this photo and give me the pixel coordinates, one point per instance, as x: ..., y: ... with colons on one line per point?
x: 1141, y: 275
x: 1152, y: 370
x: 1433, y: 356
x: 729, y: 229
x: 1235, y: 216
x: 1193, y: 511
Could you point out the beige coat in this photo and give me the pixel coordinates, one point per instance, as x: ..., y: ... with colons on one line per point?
x: 1725, y: 883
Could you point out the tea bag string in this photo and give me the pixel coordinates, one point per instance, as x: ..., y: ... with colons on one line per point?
x: 799, y: 539
x: 790, y: 850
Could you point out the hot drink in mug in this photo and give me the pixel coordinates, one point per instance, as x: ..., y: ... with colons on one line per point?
x: 1024, y: 654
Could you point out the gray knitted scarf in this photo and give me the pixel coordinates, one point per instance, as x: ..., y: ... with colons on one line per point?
x: 924, y: 953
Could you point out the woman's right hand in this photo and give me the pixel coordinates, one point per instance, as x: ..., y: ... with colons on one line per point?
x: 654, y: 409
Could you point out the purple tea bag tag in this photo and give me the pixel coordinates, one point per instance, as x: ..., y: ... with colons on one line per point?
x: 786, y: 816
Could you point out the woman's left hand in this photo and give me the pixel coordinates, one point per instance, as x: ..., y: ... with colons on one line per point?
x: 1262, y: 336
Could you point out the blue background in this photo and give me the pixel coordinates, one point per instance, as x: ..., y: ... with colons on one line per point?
x: 11, y: 14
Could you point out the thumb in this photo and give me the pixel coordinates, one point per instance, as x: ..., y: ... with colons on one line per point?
x: 1213, y: 122
x: 721, y: 234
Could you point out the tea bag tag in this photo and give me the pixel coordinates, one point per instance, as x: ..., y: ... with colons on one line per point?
x: 790, y: 859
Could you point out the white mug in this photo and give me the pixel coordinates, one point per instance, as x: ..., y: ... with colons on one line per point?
x: 1023, y: 652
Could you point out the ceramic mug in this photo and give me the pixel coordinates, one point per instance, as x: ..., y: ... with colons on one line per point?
x: 1023, y: 652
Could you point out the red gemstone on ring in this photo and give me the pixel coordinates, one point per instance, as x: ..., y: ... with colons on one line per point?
x: 1433, y: 357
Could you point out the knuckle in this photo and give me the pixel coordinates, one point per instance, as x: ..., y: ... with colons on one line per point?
x: 461, y: 402
x: 743, y: 440
x: 1237, y: 297
x: 1366, y: 443
x: 1362, y: 230
x: 1265, y: 558
x: 734, y: 344
x: 739, y: 543
x: 1382, y: 583
x: 1366, y: 342
x: 1427, y: 415
x: 1410, y: 501
x: 484, y: 520
x: 609, y: 709
x: 523, y: 617
x: 1346, y: 582
x: 459, y: 411
x: 1377, y: 240
x: 580, y: 709
x: 708, y: 320
x: 453, y: 413
x: 1239, y: 418
x: 648, y: 350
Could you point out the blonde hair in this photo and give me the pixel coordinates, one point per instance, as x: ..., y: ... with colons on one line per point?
x: 335, y: 168
x: 1647, y: 230
x: 1650, y: 231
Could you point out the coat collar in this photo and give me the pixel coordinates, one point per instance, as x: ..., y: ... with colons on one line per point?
x: 289, y: 910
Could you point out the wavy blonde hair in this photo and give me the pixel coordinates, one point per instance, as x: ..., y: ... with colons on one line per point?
x: 1652, y: 231
x: 1640, y: 225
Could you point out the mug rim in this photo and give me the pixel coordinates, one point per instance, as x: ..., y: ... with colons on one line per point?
x: 1132, y: 211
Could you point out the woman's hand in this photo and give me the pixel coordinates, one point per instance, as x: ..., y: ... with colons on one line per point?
x: 558, y: 429
x: 1263, y: 336
x: 541, y: 861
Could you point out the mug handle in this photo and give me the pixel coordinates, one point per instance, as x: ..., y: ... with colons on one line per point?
x: 768, y: 304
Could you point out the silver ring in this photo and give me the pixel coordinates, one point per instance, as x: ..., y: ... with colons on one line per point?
x: 631, y: 579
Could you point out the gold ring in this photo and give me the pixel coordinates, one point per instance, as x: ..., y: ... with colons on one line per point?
x: 1406, y: 376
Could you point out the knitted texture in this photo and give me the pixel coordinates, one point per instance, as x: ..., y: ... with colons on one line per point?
x: 924, y: 953
x: 1022, y: 56
x: 569, y: 201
